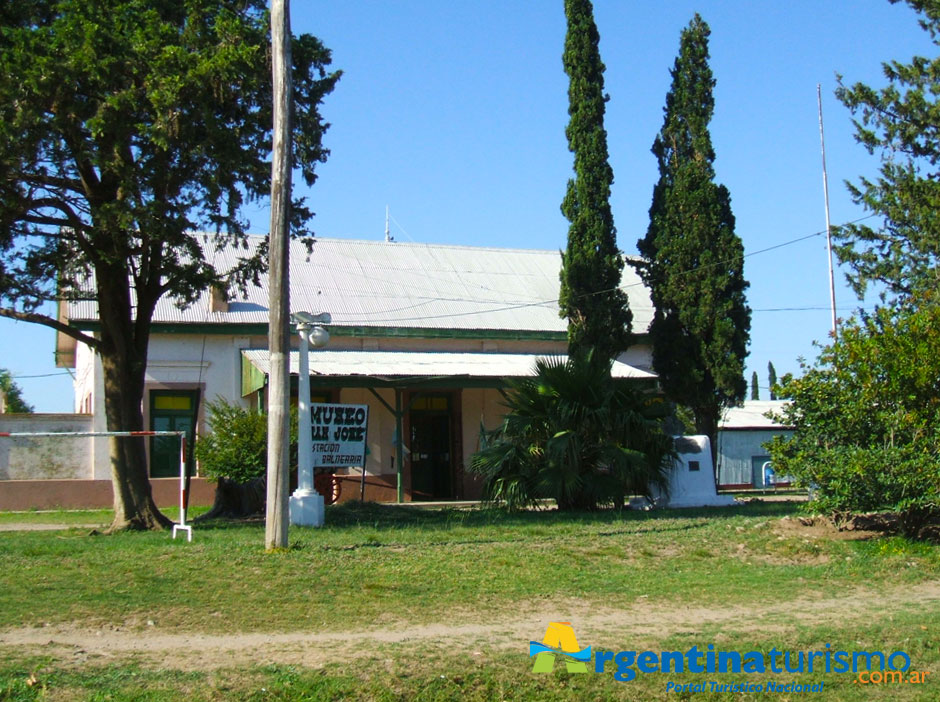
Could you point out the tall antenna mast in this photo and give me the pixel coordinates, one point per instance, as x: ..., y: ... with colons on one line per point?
x: 388, y: 236
x: 822, y: 142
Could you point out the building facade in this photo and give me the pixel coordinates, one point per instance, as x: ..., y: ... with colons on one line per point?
x: 425, y: 335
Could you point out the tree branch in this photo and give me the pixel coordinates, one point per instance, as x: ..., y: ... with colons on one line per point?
x: 46, y: 221
x: 35, y: 204
x: 36, y: 318
x: 47, y: 181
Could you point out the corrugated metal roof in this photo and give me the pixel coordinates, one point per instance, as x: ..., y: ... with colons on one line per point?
x: 385, y: 364
x: 396, y: 284
x: 751, y: 415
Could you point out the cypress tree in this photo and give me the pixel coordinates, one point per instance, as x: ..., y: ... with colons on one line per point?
x: 772, y: 379
x: 693, y: 259
x: 755, y: 393
x: 598, y: 313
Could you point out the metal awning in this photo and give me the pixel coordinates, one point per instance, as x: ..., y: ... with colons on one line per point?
x: 382, y: 368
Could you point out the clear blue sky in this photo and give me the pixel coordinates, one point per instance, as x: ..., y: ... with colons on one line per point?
x: 453, y: 115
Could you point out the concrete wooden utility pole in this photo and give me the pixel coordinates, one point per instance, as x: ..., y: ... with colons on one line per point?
x: 275, y: 530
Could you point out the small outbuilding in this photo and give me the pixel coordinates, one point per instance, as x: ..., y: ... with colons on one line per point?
x: 743, y: 462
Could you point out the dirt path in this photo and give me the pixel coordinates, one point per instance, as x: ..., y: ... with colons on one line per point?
x: 618, y: 627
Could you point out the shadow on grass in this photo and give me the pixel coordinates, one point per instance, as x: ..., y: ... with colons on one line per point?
x: 393, y: 516
x: 379, y: 516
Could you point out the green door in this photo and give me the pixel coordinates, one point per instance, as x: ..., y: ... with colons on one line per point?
x: 172, y: 410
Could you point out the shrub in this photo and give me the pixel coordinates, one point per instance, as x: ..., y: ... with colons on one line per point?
x: 236, y: 445
x: 235, y: 452
x: 867, y: 417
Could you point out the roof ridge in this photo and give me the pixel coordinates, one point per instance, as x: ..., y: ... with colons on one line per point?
x: 436, y: 245
x: 428, y: 245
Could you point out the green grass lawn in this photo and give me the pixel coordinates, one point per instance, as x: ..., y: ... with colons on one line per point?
x: 743, y: 578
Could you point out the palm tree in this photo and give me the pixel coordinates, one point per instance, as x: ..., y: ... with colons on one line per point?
x: 575, y: 435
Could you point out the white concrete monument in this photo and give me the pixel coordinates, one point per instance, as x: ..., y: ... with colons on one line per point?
x: 692, y: 479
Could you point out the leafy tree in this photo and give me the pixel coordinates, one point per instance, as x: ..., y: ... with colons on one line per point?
x: 755, y: 392
x: 598, y: 313
x: 124, y: 127
x: 898, y: 121
x: 772, y: 379
x: 867, y: 417
x: 693, y: 261
x: 13, y: 394
x: 574, y: 435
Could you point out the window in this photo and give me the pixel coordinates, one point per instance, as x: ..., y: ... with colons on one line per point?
x: 431, y: 403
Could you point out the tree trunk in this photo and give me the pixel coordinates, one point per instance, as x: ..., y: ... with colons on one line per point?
x: 237, y: 500
x: 706, y: 422
x: 123, y: 350
x: 134, y: 507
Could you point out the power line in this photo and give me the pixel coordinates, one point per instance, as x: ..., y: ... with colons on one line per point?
x: 541, y: 303
x: 759, y: 251
x: 41, y: 375
x: 809, y: 309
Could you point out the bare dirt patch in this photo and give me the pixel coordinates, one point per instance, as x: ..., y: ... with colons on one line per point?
x: 646, y: 620
x: 856, y: 527
x: 819, y: 527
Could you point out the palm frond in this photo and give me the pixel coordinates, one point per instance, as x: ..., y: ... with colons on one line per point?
x: 575, y: 435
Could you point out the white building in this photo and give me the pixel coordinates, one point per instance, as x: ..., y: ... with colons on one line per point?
x: 424, y: 334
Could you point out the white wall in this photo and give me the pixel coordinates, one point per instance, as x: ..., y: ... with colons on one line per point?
x: 46, y: 458
x: 89, y: 396
x: 207, y: 362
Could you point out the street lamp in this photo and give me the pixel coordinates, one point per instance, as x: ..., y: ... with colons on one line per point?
x: 306, y: 505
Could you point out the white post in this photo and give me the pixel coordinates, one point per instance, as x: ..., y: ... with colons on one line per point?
x: 306, y: 505
x: 184, y: 498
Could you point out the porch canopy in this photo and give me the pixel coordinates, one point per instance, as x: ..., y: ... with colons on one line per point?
x: 400, y: 370
x: 397, y: 368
